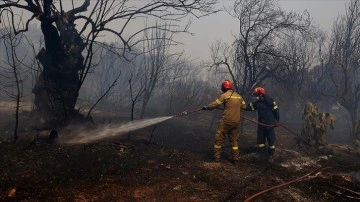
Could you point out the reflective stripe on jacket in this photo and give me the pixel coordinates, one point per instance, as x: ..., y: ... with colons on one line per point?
x: 268, y: 111
x: 232, y: 102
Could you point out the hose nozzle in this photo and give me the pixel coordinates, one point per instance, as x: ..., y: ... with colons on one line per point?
x: 187, y: 112
x: 182, y: 114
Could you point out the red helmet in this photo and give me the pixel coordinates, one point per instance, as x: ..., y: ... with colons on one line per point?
x: 259, y: 91
x: 227, y: 85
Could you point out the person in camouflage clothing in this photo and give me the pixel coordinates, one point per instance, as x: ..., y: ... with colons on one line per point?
x: 323, y: 123
x: 310, y: 112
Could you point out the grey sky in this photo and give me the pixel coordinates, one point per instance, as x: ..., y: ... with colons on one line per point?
x: 221, y: 26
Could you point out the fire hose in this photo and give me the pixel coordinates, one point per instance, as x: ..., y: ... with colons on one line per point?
x: 315, y: 172
x: 309, y: 175
x: 286, y: 128
x: 188, y: 112
x: 248, y: 119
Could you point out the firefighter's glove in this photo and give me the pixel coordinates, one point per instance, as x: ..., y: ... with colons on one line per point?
x: 276, y: 123
x: 205, y: 108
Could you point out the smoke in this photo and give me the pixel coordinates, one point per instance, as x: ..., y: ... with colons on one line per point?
x: 81, y: 135
x: 356, y: 175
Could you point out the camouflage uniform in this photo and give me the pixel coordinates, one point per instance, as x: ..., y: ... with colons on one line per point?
x: 310, y: 109
x: 229, y: 122
x: 330, y: 118
x: 307, y: 130
x: 310, y: 113
x: 322, y: 125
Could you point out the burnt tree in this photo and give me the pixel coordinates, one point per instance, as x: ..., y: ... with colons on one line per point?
x: 67, y: 56
x: 56, y: 90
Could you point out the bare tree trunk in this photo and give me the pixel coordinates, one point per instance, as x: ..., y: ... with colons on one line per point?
x: 13, y: 66
x: 344, y: 60
x: 56, y: 89
x: 134, y: 99
x: 64, y: 67
x: 17, y: 99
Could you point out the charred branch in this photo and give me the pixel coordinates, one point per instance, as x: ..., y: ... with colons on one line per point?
x: 68, y: 54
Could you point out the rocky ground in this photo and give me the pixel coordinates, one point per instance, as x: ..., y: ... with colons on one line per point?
x: 171, y: 161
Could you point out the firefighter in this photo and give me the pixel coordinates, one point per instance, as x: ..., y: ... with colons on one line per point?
x: 230, y: 119
x: 307, y: 131
x: 322, y: 125
x: 310, y: 112
x: 310, y: 109
x: 330, y: 118
x: 268, y: 118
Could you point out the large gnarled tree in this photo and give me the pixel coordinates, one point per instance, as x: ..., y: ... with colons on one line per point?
x: 70, y: 35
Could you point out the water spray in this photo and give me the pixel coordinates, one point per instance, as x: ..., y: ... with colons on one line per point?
x: 116, y: 130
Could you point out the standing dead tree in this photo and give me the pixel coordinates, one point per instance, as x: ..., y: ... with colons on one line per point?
x: 295, y: 79
x: 343, y: 67
x: 13, y: 72
x: 135, y: 98
x: 255, y: 54
x: 183, y: 86
x: 70, y: 37
x: 156, y: 63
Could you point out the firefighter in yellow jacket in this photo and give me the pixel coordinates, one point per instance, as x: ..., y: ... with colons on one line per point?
x: 230, y: 119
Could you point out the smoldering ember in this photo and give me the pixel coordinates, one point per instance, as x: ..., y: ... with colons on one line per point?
x: 100, y: 102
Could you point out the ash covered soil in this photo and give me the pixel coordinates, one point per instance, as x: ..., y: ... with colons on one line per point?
x: 171, y: 161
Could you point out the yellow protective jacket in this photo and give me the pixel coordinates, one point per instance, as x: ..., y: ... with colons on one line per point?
x: 232, y: 102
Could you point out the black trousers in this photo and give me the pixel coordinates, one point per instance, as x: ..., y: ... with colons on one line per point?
x: 266, y: 134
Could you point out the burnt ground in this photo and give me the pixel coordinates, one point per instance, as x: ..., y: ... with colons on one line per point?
x: 171, y: 161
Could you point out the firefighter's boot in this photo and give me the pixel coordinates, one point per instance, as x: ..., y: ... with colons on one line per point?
x: 271, y: 159
x: 217, y: 153
x: 235, y: 155
x: 271, y: 152
x: 262, y: 153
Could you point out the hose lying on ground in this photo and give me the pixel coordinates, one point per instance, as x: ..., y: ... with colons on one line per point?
x: 315, y: 172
